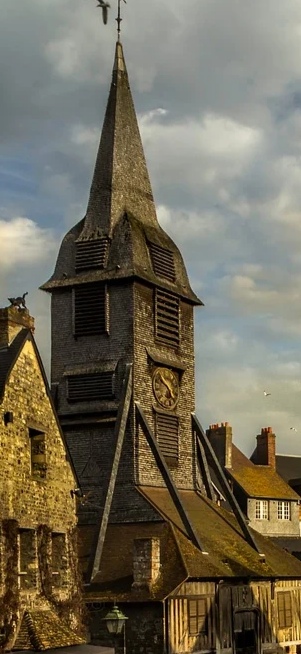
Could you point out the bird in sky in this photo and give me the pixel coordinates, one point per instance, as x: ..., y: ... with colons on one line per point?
x: 104, y: 6
x: 293, y: 429
x: 266, y: 393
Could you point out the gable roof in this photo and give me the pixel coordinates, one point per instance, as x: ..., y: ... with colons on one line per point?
x: 228, y: 553
x: 8, y: 358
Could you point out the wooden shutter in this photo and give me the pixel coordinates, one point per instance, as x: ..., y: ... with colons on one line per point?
x: 91, y: 254
x: 89, y: 309
x: 197, y: 616
x: 162, y: 262
x: 167, y: 318
x: 93, y: 386
x: 284, y: 604
x: 167, y: 431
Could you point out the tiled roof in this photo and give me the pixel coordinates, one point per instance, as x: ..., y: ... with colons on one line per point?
x: 228, y: 554
x: 116, y: 574
x: 42, y: 630
x: 262, y: 481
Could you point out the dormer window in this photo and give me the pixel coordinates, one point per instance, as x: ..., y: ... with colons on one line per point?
x: 262, y: 510
x: 91, y: 254
x: 162, y: 262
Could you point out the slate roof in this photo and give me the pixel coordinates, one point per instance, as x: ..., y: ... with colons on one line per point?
x: 9, y: 355
x: 40, y: 630
x: 288, y: 466
x: 228, y: 554
x: 121, y: 205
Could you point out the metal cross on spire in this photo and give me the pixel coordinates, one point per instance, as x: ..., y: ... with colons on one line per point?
x: 119, y: 19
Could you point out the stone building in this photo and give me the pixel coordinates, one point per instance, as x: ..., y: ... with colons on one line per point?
x: 189, y: 575
x: 40, y: 587
x: 269, y: 503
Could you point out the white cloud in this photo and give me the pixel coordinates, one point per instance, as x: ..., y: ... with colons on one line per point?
x: 24, y: 243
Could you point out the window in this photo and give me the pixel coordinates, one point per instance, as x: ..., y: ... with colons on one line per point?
x: 91, y: 254
x: 162, y: 262
x: 167, y: 432
x: 197, y: 616
x: 93, y: 386
x: 58, y: 560
x: 27, y: 560
x: 284, y: 511
x: 262, y: 510
x: 167, y: 318
x: 38, y: 467
x: 90, y: 309
x: 284, y: 606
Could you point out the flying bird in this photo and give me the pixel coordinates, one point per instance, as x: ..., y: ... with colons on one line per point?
x: 266, y: 393
x: 293, y: 429
x: 104, y: 6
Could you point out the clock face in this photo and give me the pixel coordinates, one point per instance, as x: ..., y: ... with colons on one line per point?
x: 166, y: 387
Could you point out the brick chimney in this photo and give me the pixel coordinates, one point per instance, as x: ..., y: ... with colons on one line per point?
x: 146, y: 562
x: 265, y: 454
x: 12, y: 320
x: 220, y: 436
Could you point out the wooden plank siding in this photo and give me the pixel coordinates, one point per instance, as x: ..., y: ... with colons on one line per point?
x: 229, y: 607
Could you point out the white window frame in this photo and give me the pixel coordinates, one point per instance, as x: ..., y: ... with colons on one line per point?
x: 284, y: 510
x: 261, y: 510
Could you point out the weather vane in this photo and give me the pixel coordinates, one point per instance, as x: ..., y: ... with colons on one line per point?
x: 102, y: 4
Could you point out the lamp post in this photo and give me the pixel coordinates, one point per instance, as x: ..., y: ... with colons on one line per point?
x: 115, y: 621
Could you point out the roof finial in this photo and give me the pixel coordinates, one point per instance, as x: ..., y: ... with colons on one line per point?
x: 119, y: 19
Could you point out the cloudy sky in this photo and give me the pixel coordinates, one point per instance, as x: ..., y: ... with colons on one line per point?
x: 217, y: 89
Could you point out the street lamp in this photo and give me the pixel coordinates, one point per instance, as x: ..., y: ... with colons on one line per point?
x: 115, y: 621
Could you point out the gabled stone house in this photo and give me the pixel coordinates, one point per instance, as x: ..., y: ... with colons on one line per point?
x: 269, y: 503
x: 189, y: 575
x: 40, y: 585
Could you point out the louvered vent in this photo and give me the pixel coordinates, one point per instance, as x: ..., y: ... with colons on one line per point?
x: 91, y: 254
x: 95, y: 386
x: 163, y: 262
x: 89, y: 310
x: 167, y: 430
x: 167, y: 318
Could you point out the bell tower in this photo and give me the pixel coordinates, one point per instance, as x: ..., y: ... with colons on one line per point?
x: 122, y: 314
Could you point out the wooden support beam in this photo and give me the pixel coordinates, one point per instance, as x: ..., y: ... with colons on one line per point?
x: 204, y: 469
x: 209, y: 451
x: 171, y: 487
x: 119, y: 432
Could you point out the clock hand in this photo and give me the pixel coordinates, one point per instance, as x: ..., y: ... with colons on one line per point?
x: 168, y: 386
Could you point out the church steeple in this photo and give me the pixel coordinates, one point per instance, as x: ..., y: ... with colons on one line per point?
x: 120, y: 181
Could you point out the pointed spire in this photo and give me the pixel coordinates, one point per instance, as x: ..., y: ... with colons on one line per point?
x: 121, y: 181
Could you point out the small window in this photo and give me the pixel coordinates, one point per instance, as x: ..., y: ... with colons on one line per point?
x: 162, y: 262
x: 90, y: 309
x: 94, y: 386
x: 284, y: 511
x: 91, y: 254
x: 284, y: 606
x: 27, y: 560
x: 197, y: 616
x: 167, y: 432
x: 262, y: 510
x: 59, y: 563
x: 38, y: 467
x: 167, y: 318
